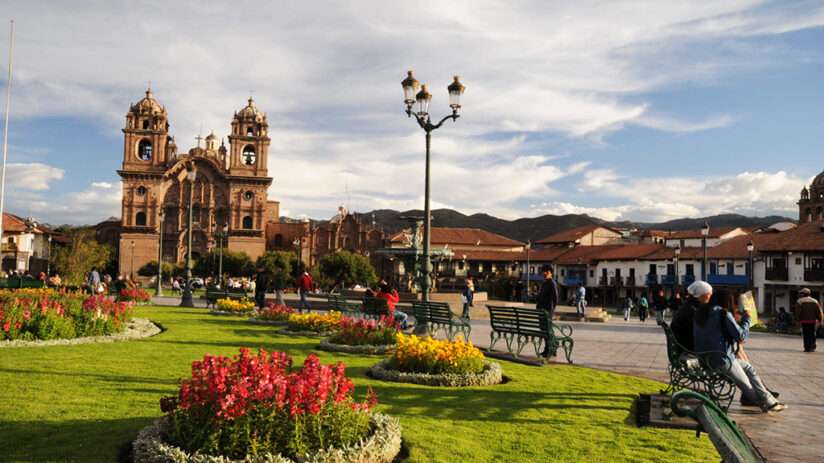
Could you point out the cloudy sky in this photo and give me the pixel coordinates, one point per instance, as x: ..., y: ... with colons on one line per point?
x: 623, y: 110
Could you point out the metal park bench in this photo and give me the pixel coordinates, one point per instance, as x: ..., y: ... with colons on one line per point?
x: 438, y: 316
x: 732, y: 446
x: 374, y: 307
x: 340, y: 304
x: 522, y: 325
x: 213, y: 294
x: 692, y: 370
x: 16, y: 283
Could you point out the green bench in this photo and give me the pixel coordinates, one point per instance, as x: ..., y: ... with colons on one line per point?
x: 16, y: 283
x: 692, y: 370
x: 374, y: 307
x: 731, y: 444
x: 213, y: 294
x: 340, y: 304
x: 522, y: 325
x: 438, y: 316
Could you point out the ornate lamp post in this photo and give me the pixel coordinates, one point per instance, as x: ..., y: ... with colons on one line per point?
x: 705, y: 230
x: 131, y: 271
x: 186, y: 300
x: 750, y: 248
x: 48, y: 261
x: 422, y: 98
x: 224, y: 232
x: 677, y: 272
x: 528, y: 270
x: 159, y: 290
x: 296, y: 244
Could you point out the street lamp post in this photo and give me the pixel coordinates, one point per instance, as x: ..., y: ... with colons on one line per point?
x: 186, y: 300
x: 705, y: 230
x: 423, y: 98
x: 159, y: 290
x: 750, y: 248
x: 528, y: 269
x: 48, y: 261
x: 296, y: 244
x: 131, y: 270
x: 677, y: 272
x: 224, y: 232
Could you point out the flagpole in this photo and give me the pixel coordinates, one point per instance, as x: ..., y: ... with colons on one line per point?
x: 6, y: 135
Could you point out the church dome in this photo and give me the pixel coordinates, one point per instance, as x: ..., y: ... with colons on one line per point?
x: 211, y: 136
x: 148, y: 104
x: 250, y: 112
x: 818, y: 181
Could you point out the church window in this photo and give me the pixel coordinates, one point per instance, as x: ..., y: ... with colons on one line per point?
x: 140, y: 219
x: 144, y: 150
x: 248, y: 195
x: 278, y: 240
x: 170, y: 212
x: 220, y: 214
x: 247, y: 222
x: 146, y: 124
x: 195, y: 213
x: 347, y: 242
x: 249, y: 155
x: 141, y: 190
x: 250, y: 132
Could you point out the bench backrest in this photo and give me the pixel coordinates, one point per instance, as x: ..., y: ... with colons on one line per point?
x: 421, y: 311
x: 21, y: 283
x: 375, y: 306
x: 518, y: 319
x: 337, y: 302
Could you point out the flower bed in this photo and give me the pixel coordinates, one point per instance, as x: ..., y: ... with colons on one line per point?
x: 256, y: 408
x: 234, y: 307
x: 272, y: 315
x: 46, y: 314
x: 436, y: 362
x: 360, y: 336
x: 137, y: 295
x: 313, y: 323
x: 137, y: 328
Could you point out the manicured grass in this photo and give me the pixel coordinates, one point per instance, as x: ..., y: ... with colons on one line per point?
x: 87, y: 402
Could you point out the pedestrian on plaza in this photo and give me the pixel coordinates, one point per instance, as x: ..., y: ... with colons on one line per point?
x: 808, y: 311
x: 305, y: 285
x: 471, y: 283
x: 548, y: 300
x: 261, y: 285
x: 278, y: 284
x: 715, y: 330
x: 391, y: 296
x: 784, y: 320
x: 660, y: 303
x: 93, y: 281
x: 519, y: 291
x: 643, y: 305
x: 508, y: 290
x: 675, y: 302
x: 580, y: 301
x: 626, y: 304
x: 466, y: 298
x: 175, y: 286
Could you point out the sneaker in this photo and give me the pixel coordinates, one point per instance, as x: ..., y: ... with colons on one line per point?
x: 777, y: 407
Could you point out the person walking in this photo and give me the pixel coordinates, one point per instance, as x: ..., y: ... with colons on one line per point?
x: 305, y: 285
x: 643, y: 305
x: 466, y: 298
x: 808, y: 311
x: 660, y: 303
x: 93, y: 281
x: 548, y: 300
x: 278, y: 284
x: 580, y: 301
x: 471, y: 283
x: 626, y: 304
x: 261, y: 285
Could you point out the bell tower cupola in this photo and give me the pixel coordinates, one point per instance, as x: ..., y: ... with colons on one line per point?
x: 249, y: 142
x: 146, y: 136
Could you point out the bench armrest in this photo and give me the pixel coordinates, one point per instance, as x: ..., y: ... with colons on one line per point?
x: 562, y: 331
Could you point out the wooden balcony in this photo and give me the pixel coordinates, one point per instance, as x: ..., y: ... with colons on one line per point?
x: 776, y: 273
x: 616, y: 281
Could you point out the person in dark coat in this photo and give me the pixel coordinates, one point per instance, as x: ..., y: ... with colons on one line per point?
x: 699, y: 293
x: 261, y: 285
x: 547, y: 300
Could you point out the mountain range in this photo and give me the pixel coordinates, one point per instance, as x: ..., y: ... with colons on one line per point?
x: 537, y: 228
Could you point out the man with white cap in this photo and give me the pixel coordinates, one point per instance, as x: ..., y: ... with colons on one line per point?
x: 808, y: 311
x: 700, y: 293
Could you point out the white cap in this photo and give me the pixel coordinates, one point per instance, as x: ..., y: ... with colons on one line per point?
x: 699, y: 288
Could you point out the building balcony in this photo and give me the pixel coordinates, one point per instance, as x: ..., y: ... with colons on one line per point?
x: 652, y: 279
x: 669, y: 280
x: 734, y: 280
x: 687, y: 280
x: 603, y: 281
x: 616, y: 281
x: 629, y: 281
x: 776, y: 273
x: 446, y: 273
x: 575, y: 280
x: 813, y: 275
x: 532, y: 276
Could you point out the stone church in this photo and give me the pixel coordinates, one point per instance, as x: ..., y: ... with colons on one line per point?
x: 811, y: 203
x: 230, y: 188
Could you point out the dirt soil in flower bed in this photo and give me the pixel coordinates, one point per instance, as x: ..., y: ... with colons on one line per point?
x: 261, y: 321
x: 327, y: 345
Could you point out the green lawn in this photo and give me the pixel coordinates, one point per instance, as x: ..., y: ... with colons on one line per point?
x: 87, y: 402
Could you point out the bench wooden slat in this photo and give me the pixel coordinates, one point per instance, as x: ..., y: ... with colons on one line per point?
x: 439, y: 316
x: 518, y: 326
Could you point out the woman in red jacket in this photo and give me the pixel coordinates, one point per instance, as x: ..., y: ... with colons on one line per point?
x: 391, y: 296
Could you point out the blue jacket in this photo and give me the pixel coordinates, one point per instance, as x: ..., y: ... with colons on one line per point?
x: 710, y: 337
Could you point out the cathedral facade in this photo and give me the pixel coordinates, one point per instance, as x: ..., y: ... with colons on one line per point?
x: 229, y: 192
x: 811, y: 203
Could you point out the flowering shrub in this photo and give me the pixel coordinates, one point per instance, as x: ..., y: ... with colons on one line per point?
x: 243, y: 305
x: 137, y: 295
x: 313, y: 321
x: 275, y: 312
x: 359, y: 332
x: 433, y: 356
x: 252, y: 405
x: 45, y: 314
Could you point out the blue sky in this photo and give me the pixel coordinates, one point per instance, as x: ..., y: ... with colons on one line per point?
x: 622, y: 110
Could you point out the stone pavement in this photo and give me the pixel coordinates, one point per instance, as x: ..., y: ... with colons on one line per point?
x: 638, y: 349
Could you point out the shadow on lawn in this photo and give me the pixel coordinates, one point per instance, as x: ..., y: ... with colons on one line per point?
x: 70, y: 440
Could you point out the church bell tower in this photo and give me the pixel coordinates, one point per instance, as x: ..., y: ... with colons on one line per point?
x: 249, y: 143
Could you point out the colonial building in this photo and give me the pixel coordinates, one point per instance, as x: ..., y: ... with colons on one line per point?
x: 230, y: 187
x: 589, y: 235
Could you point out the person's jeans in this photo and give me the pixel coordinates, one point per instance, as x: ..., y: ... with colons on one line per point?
x: 465, y: 313
x: 581, y: 308
x: 304, y: 302
x: 400, y: 317
x: 642, y: 313
x: 750, y: 384
x: 808, y: 332
x: 626, y: 313
x: 260, y: 298
x: 279, y: 297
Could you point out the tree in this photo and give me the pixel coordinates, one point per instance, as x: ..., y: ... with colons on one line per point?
x: 345, y: 268
x: 149, y: 269
x: 288, y: 261
x: 77, y: 258
x: 235, y: 264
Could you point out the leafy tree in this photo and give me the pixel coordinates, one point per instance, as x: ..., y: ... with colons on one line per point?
x: 235, y: 264
x: 149, y: 269
x: 288, y: 261
x: 345, y: 268
x: 78, y: 257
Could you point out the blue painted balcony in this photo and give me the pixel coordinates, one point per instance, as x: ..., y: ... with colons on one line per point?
x: 532, y: 276
x: 737, y: 280
x: 575, y: 280
x: 652, y: 279
x: 669, y: 280
x: 687, y: 279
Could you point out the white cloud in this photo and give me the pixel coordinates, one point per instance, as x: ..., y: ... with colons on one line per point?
x: 35, y: 176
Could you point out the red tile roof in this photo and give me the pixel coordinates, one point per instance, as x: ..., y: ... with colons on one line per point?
x: 807, y: 237
x: 12, y: 223
x: 497, y: 256
x: 571, y: 235
x: 693, y: 234
x: 444, y: 235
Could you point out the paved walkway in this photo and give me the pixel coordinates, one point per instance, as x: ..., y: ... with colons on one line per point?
x: 638, y: 349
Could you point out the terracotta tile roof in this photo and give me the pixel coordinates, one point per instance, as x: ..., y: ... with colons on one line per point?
x: 656, y: 233
x: 444, y: 235
x: 687, y: 253
x: 570, y: 236
x: 693, y: 234
x: 546, y: 254
x: 629, y: 251
x: 496, y: 256
x: 807, y: 237
x: 586, y: 254
x: 12, y: 223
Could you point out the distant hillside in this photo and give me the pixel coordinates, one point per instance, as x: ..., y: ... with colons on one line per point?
x: 537, y: 228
